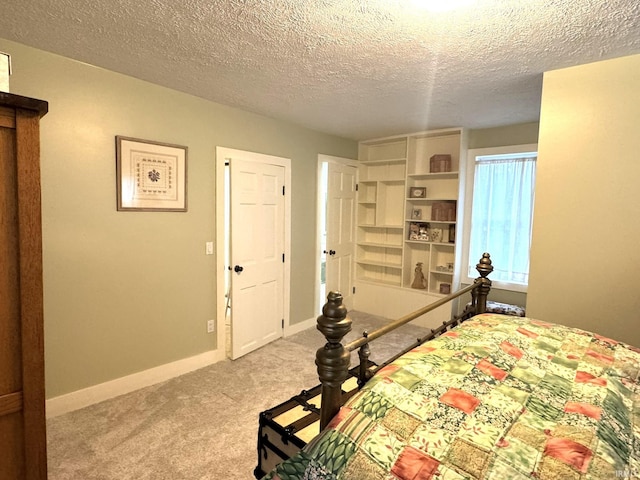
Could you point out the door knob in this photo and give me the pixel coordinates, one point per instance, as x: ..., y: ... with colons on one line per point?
x: 330, y: 252
x: 238, y: 269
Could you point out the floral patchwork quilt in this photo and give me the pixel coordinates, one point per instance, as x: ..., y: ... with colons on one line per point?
x: 498, y: 397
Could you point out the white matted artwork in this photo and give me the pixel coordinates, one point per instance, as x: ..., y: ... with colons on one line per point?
x: 151, y: 176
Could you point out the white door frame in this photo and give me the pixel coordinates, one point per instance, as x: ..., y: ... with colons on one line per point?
x: 319, y: 210
x: 222, y: 154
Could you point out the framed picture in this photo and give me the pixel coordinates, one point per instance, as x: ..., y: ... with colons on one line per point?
x: 416, y: 214
x: 151, y: 176
x: 419, y: 231
x: 417, y: 192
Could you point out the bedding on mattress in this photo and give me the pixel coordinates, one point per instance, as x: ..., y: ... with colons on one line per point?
x: 499, y: 397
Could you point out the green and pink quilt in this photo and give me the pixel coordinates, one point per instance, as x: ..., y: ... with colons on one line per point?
x: 499, y: 397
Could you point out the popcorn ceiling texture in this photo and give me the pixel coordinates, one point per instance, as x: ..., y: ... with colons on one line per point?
x: 354, y: 68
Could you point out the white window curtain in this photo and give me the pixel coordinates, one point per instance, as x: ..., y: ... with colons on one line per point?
x: 502, y: 214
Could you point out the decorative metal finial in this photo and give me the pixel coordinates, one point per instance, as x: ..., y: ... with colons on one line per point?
x: 484, y: 266
x: 334, y: 322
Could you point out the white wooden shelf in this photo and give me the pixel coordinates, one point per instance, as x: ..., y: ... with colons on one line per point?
x: 384, y: 161
x: 439, y: 175
x: 380, y: 245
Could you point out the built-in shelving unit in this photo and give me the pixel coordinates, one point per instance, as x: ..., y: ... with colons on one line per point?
x: 437, y: 209
x: 403, y: 191
x: 381, y: 189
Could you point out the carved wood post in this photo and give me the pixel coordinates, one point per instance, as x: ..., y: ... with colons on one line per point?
x: 333, y: 359
x: 483, y: 284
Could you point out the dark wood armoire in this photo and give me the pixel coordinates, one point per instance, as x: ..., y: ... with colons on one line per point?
x: 23, y: 453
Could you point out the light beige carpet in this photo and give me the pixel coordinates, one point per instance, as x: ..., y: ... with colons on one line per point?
x: 202, y: 425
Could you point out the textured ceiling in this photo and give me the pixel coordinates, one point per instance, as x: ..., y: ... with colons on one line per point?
x: 354, y: 68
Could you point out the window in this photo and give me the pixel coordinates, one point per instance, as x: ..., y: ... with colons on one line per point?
x: 500, y: 195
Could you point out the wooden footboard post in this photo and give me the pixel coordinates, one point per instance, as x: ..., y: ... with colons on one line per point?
x: 333, y: 359
x: 482, y: 284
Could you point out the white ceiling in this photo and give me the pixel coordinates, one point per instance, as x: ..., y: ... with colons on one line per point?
x: 354, y: 68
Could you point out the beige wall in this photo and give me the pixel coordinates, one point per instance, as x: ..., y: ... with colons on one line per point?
x: 585, y: 258
x: 128, y: 291
x: 519, y: 134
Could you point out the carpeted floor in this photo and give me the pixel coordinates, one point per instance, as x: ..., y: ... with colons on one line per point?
x: 202, y: 425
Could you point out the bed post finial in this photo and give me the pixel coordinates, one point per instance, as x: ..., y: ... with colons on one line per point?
x: 484, y: 266
x: 483, y: 284
x: 333, y: 359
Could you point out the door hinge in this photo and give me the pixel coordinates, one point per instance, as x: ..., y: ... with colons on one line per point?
x: 283, y: 323
x: 356, y: 187
x: 354, y: 290
x: 283, y: 258
x: 282, y: 189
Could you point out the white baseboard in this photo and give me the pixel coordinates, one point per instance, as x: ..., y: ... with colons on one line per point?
x: 299, y: 327
x: 113, y: 388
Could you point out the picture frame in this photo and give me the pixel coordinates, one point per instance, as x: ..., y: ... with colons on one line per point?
x: 419, y: 231
x: 435, y: 235
x: 150, y: 176
x: 5, y: 71
x: 417, y: 192
x: 416, y: 214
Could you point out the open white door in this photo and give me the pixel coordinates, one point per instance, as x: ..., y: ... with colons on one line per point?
x: 340, y: 224
x: 257, y: 254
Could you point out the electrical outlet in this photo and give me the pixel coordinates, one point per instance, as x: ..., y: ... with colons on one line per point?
x: 209, y: 248
x: 211, y: 326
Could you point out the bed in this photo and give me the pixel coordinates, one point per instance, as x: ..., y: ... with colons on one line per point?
x: 496, y: 397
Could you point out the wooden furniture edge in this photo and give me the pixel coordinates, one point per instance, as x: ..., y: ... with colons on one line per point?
x: 31, y: 287
x: 26, y: 103
x: 23, y: 115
